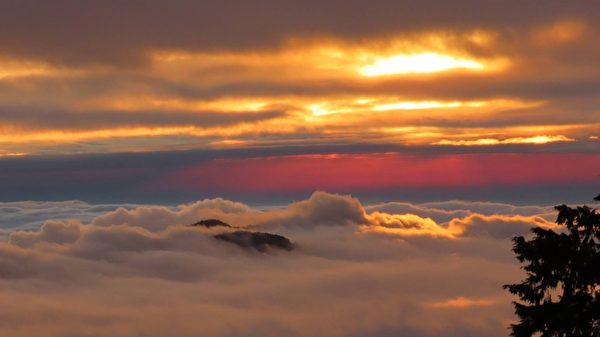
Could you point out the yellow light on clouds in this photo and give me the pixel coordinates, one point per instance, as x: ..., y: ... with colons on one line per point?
x: 383, y: 104
x: 462, y: 302
x: 516, y: 140
x: 12, y: 154
x: 559, y: 33
x: 16, y: 69
x: 425, y: 105
x: 418, y: 63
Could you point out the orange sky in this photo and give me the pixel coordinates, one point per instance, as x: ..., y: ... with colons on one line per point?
x: 508, y: 79
x: 370, y: 162
x: 479, y: 86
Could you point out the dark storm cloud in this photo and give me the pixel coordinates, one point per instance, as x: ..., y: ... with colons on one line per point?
x: 122, y: 31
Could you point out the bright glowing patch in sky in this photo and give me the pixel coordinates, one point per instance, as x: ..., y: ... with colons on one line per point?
x: 383, y: 104
x: 425, y: 105
x: 334, y: 87
x: 12, y: 154
x: 515, y: 140
x: 418, y: 63
x: 462, y: 302
x: 22, y: 69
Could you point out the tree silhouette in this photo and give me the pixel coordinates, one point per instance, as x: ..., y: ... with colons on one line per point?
x: 561, y: 294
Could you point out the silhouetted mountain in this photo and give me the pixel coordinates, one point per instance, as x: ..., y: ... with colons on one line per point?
x: 257, y: 240
x: 597, y: 198
x: 209, y: 223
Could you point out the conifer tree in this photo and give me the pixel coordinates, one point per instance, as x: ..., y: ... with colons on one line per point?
x: 560, y: 297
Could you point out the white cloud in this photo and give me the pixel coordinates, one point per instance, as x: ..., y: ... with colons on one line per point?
x: 142, y: 272
x: 31, y: 214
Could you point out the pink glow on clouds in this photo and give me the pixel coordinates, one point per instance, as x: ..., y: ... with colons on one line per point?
x: 389, y: 170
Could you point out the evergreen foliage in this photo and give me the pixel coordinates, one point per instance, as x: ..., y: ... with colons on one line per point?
x: 560, y: 297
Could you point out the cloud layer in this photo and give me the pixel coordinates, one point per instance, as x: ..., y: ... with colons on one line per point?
x: 116, y: 76
x: 423, y: 270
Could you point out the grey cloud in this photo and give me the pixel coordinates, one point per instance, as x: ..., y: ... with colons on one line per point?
x: 30, y: 214
x: 321, y: 209
x: 120, y: 32
x: 117, y: 278
x: 52, y: 231
x: 437, y: 214
x: 158, y: 218
x: 490, y: 208
x: 182, y: 254
x: 42, y: 118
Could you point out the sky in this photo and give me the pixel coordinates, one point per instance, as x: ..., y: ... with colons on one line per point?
x: 268, y: 101
x: 398, y: 146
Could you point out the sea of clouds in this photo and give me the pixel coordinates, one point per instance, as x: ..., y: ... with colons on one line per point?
x: 390, y: 269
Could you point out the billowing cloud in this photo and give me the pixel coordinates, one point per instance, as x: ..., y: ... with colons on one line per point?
x: 321, y: 209
x: 498, y: 225
x: 52, y: 231
x: 118, y: 273
x: 31, y: 214
x: 445, y: 211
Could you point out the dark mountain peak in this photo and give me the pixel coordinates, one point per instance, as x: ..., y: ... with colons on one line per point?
x: 257, y: 240
x: 209, y: 223
x: 597, y: 198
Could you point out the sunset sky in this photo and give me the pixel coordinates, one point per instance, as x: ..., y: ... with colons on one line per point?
x: 384, y: 95
x: 396, y: 142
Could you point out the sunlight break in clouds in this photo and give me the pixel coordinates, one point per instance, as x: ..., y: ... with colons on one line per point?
x: 418, y: 63
x: 13, y: 69
x: 462, y: 302
x: 12, y: 154
x: 517, y: 140
x: 439, y: 83
x: 325, y: 85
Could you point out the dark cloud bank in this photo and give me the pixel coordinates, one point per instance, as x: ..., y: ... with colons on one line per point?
x: 121, y: 31
x: 393, y: 269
